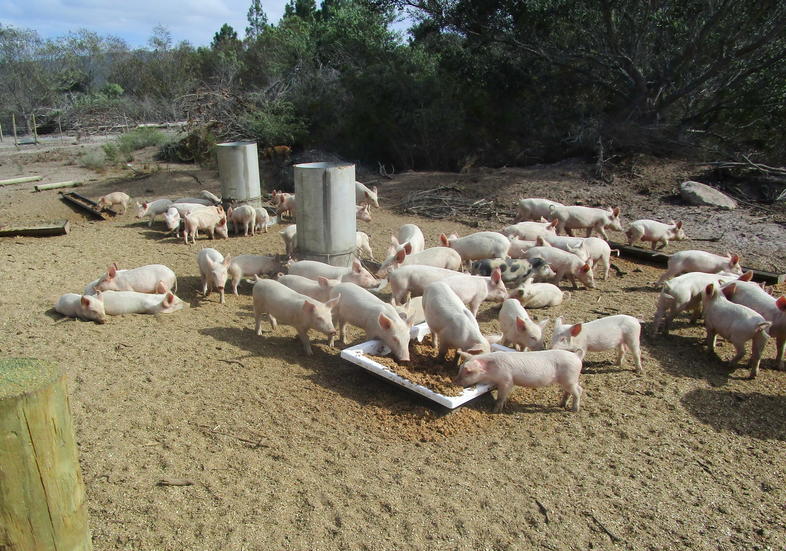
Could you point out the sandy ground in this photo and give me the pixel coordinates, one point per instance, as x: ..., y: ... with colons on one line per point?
x: 293, y: 452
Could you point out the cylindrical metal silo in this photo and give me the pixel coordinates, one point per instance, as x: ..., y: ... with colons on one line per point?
x: 238, y: 169
x: 325, y: 212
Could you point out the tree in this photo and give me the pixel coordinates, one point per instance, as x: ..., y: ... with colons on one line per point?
x: 225, y: 38
x: 304, y: 9
x: 257, y: 20
x: 161, y: 39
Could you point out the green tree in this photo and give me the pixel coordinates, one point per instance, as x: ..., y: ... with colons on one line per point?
x: 304, y: 9
x: 257, y: 20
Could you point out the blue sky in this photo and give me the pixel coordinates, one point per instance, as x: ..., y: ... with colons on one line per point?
x: 133, y: 21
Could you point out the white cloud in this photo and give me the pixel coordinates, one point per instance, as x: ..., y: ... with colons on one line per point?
x: 192, y: 20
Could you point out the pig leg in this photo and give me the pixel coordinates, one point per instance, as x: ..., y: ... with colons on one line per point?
x: 342, y: 330
x: 664, y: 243
x: 602, y: 233
x: 474, y: 306
x: 221, y: 292
x: 780, y: 344
x: 205, y: 290
x: 739, y: 347
x: 589, y: 232
x: 235, y: 283
x: 620, y: 353
x: 273, y: 322
x: 572, y: 390
x: 503, y: 391
x: 711, y: 338
x: 303, y: 335
x: 632, y: 344
x: 258, y: 320
x: 607, y: 264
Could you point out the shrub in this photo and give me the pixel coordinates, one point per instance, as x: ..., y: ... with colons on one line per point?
x: 95, y: 159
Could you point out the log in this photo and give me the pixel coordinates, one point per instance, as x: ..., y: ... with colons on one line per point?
x: 86, y: 204
x: 22, y: 180
x: 42, y: 494
x: 661, y: 259
x: 57, y: 185
x: 61, y: 227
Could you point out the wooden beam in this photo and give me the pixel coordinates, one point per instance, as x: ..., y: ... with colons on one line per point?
x: 57, y: 185
x: 83, y: 203
x: 21, y: 180
x: 661, y: 259
x: 61, y: 227
x: 42, y: 495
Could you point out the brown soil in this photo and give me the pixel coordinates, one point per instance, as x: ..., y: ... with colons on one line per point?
x: 288, y: 451
x: 425, y: 369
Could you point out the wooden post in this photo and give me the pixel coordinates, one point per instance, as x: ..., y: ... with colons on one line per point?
x: 1, y: 133
x: 35, y: 130
x: 20, y: 180
x: 13, y: 123
x: 42, y: 495
x: 60, y: 128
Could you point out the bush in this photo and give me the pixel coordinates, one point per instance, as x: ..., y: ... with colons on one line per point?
x: 139, y: 138
x: 95, y: 159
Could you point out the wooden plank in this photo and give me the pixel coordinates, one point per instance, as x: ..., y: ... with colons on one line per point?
x: 61, y: 227
x: 57, y: 185
x: 661, y: 259
x: 83, y: 203
x: 21, y: 180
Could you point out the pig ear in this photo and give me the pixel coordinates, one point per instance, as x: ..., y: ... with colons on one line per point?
x: 385, y: 322
x: 557, y: 322
x: 222, y: 221
x: 169, y: 299
x: 747, y: 276
x: 85, y: 301
x: 735, y: 258
x: 443, y: 239
x: 394, y: 240
x: 521, y: 325
x: 586, y: 268
x: 496, y: 275
x: 781, y: 303
x: 160, y: 287
x: 554, y: 223
x: 333, y: 302
x: 357, y: 266
x: 374, y: 189
x: 408, y: 247
x: 710, y: 290
x: 368, y: 195
x: 729, y: 290
x: 323, y: 282
x: 575, y: 330
x: 679, y: 224
x: 227, y: 260
x: 539, y: 241
x: 475, y: 352
x: 111, y: 271
x: 463, y: 355
x: 401, y: 255
x: 542, y: 324
x: 144, y: 204
x: 616, y: 211
x: 308, y: 307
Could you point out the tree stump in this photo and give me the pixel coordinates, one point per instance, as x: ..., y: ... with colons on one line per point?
x: 42, y: 495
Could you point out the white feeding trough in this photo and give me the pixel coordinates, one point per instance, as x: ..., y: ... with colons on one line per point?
x: 358, y: 355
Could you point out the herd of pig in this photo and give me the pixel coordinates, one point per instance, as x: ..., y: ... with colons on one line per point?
x: 521, y: 266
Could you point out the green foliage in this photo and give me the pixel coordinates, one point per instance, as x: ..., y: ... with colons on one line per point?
x: 95, y: 159
x: 121, y: 150
x: 275, y: 123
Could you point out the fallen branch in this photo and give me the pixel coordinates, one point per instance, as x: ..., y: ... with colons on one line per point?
x: 238, y: 362
x: 254, y: 443
x: 615, y: 538
x: 543, y: 510
x: 174, y: 482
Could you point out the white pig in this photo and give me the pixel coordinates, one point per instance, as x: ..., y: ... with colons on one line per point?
x: 114, y: 198
x: 88, y: 307
x: 518, y: 247
x: 213, y: 271
x: 518, y: 329
x: 737, y: 324
x: 262, y: 220
x: 474, y: 289
x: 118, y: 303
x: 685, y: 292
x: 565, y: 265
x: 172, y: 220
x: 478, y: 245
x: 408, y: 233
x: 621, y: 332
x: 409, y: 281
x: 205, y: 194
x: 205, y: 202
x: 656, y: 232
x: 534, y: 209
x: 538, y: 295
x: 145, y: 279
x: 365, y: 195
x: 363, y: 213
x: 289, y: 307
x: 363, y: 244
x: 208, y: 218
x: 440, y: 257
x: 770, y: 308
x: 245, y: 216
x: 527, y: 369
x: 597, y: 249
x: 289, y: 236
x: 246, y: 265
x: 528, y: 231
x: 318, y: 290
x: 576, y: 217
x: 700, y: 261
x: 286, y: 204
x: 452, y: 324
x: 356, y: 273
x: 152, y: 209
x: 380, y: 320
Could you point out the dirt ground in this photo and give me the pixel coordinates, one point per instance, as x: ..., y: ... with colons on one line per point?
x: 287, y: 451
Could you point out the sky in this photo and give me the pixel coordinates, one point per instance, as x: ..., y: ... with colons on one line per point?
x: 193, y: 20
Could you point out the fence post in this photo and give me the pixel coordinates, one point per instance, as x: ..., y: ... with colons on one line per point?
x: 35, y: 130
x: 13, y: 123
